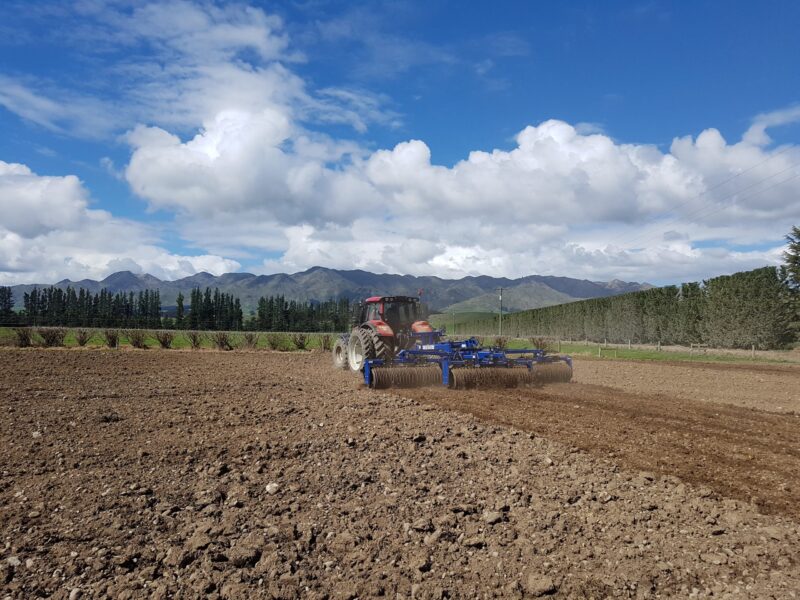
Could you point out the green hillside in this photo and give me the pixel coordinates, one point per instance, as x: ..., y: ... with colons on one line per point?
x: 457, y: 322
x: 521, y: 297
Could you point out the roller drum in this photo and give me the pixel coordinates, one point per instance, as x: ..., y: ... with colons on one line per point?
x: 552, y: 372
x: 405, y: 377
x: 490, y: 377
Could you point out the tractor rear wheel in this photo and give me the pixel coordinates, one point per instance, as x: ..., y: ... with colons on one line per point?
x: 384, y: 348
x: 359, y: 349
x: 340, y: 354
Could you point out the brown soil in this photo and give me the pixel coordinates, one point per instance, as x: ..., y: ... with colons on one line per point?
x: 256, y: 474
x: 748, y: 454
x: 774, y: 388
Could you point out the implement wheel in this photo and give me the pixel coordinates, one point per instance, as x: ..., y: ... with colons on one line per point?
x: 360, y: 349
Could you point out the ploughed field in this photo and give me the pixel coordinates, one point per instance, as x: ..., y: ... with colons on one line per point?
x: 263, y: 474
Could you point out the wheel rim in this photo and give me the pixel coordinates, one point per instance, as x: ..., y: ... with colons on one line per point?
x: 356, y: 353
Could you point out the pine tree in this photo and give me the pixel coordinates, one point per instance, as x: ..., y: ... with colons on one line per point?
x: 207, y: 311
x: 238, y: 315
x: 195, y: 303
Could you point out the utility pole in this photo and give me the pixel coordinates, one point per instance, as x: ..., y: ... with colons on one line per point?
x: 453, y: 314
x: 501, y: 311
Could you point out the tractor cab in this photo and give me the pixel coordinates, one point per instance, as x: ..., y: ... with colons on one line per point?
x: 402, y: 314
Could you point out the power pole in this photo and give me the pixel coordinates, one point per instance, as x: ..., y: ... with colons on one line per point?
x: 501, y: 311
x: 453, y: 314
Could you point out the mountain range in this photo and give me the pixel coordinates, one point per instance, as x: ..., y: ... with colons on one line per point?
x: 475, y: 293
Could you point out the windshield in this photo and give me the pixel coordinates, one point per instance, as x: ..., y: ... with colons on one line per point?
x: 400, y: 312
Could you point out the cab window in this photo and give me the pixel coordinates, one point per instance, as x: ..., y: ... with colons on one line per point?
x: 373, y: 313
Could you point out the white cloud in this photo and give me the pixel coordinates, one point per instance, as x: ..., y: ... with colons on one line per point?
x: 182, y: 63
x: 48, y: 232
x: 560, y: 202
x: 80, y: 114
x: 32, y: 206
x: 757, y: 134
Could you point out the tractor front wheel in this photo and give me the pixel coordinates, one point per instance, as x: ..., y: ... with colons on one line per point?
x: 340, y: 353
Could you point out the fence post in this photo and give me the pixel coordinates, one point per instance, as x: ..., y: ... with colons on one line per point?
x: 629, y: 344
x: 559, y: 345
x: 598, y: 350
x: 659, y: 345
x: 753, y: 351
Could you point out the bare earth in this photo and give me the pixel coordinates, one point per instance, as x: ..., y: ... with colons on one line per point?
x: 166, y: 474
x: 774, y: 388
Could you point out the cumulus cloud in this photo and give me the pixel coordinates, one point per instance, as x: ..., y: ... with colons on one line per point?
x: 561, y: 201
x: 32, y: 206
x: 49, y: 232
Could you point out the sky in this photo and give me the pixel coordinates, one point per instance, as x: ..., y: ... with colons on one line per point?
x: 643, y: 141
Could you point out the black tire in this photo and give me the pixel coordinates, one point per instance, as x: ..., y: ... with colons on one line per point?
x: 340, y: 354
x: 359, y: 349
x: 383, y: 349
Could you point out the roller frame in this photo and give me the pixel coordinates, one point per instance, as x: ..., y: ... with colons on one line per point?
x: 429, y: 350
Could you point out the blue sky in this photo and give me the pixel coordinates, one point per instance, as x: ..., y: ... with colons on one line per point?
x: 636, y: 140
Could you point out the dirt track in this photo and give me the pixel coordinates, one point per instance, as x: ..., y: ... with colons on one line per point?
x: 180, y: 474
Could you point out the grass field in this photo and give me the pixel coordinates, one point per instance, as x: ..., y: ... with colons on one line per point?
x: 611, y: 352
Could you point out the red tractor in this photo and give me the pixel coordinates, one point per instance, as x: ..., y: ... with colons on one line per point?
x: 381, y: 327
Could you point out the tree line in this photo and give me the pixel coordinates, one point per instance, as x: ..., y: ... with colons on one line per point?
x: 70, y: 308
x: 275, y: 313
x: 207, y: 310
x: 753, y: 308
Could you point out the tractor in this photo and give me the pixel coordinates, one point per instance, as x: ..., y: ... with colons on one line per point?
x: 381, y: 327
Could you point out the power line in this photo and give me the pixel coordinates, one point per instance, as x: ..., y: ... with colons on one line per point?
x: 731, y: 178
x: 756, y: 193
x: 697, y: 212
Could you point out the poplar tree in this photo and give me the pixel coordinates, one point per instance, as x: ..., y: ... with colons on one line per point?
x: 179, y: 311
x: 7, y: 316
x: 792, y: 257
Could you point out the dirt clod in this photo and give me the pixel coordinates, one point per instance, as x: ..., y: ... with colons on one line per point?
x: 539, y: 585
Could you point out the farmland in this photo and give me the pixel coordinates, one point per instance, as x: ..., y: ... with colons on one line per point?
x: 130, y: 473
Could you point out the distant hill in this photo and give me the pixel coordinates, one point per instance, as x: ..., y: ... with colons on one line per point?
x: 521, y: 297
x: 319, y: 283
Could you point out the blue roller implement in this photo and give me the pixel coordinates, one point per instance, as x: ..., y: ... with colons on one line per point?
x: 465, y: 364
